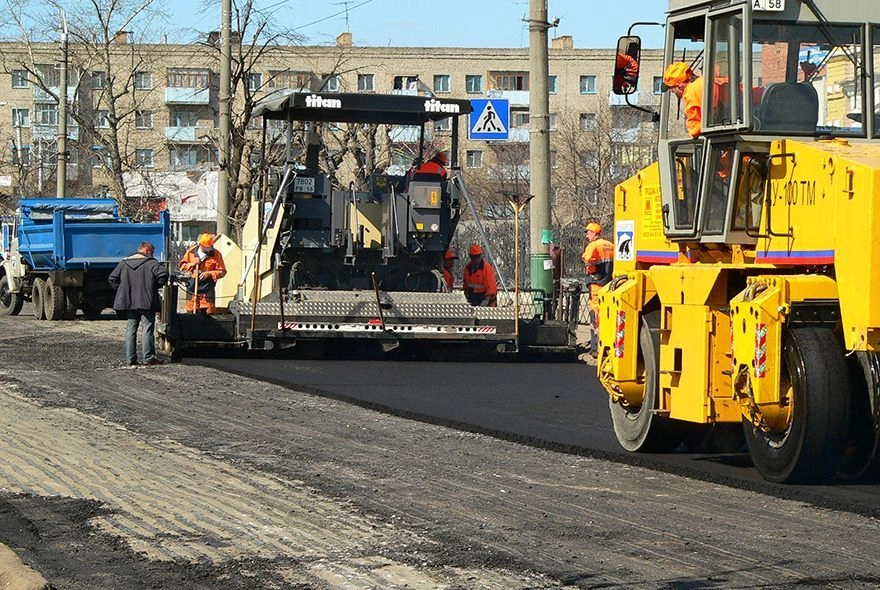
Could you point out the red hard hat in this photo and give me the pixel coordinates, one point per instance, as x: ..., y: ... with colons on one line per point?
x: 449, y: 255
x: 475, y: 250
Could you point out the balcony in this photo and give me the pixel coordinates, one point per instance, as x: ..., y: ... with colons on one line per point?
x: 41, y: 96
x: 44, y: 132
x: 187, y: 134
x: 200, y: 96
x: 518, y: 134
x: 517, y: 98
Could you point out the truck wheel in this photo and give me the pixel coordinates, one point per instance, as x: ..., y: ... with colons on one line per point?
x: 38, y: 296
x: 815, y: 375
x: 55, y: 301
x: 10, y: 303
x: 640, y: 429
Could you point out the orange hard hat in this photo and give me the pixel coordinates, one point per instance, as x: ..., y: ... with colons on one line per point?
x: 593, y: 227
x: 449, y: 255
x: 676, y: 73
x: 206, y: 240
x: 475, y: 250
x: 440, y: 157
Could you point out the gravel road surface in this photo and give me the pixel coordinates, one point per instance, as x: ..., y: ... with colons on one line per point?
x: 183, y: 476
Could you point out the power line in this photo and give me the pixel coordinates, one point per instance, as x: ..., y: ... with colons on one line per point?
x: 345, y: 12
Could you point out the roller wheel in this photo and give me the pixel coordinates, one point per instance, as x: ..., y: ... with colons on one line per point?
x: 38, y: 297
x: 10, y: 303
x: 816, y: 377
x: 861, y: 455
x: 55, y: 301
x: 639, y: 428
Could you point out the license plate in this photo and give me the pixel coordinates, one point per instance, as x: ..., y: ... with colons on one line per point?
x: 769, y: 5
x: 303, y: 184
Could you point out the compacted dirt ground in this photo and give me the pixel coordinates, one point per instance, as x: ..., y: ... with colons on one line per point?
x: 180, y: 476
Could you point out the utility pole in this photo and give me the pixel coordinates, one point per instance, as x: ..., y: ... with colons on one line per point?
x: 225, y: 89
x: 61, y: 158
x: 539, y: 149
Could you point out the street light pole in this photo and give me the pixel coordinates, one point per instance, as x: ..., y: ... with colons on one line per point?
x: 539, y: 147
x: 61, y: 158
x: 225, y: 90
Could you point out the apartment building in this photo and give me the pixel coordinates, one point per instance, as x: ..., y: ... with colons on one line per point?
x: 152, y: 110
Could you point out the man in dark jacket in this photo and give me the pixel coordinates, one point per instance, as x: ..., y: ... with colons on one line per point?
x: 137, y: 280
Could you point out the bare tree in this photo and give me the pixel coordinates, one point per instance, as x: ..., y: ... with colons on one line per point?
x: 104, y: 79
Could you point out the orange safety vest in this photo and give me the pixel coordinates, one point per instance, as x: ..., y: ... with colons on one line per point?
x: 693, y: 103
x: 599, y: 257
x: 479, y: 281
x: 214, y: 267
x: 431, y: 167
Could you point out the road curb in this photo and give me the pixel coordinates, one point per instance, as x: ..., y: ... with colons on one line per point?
x: 16, y: 575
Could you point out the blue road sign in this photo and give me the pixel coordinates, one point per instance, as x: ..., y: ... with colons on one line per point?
x: 490, y: 119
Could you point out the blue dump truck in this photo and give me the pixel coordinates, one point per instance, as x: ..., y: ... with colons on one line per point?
x: 58, y: 253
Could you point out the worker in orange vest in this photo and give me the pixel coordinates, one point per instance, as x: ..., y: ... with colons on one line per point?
x: 599, y: 257
x: 205, y: 265
x: 436, y: 165
x: 448, y: 265
x: 480, y: 287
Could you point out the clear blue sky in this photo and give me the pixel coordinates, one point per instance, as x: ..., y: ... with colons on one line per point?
x: 447, y: 23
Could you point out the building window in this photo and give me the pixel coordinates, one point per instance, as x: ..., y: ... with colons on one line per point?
x: 143, y: 80
x: 188, y: 77
x: 19, y: 79
x: 473, y: 84
x: 588, y: 121
x: 443, y: 125
x: 297, y: 80
x: 21, y: 118
x: 406, y: 82
x: 509, y: 80
x: 102, y: 120
x: 99, y: 80
x: 48, y: 74
x: 552, y: 85
x: 183, y: 157
x: 331, y: 84
x: 658, y: 84
x: 553, y: 159
x: 184, y: 118
x: 551, y: 122
x: 144, y: 158
x: 100, y: 158
x: 441, y: 83
x: 254, y: 82
x: 474, y: 158
x: 588, y: 84
x: 519, y: 118
x: 24, y: 152
x: 46, y: 113
x: 366, y: 83
x: 143, y: 119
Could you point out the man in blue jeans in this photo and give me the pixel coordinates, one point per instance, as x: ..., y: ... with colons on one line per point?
x: 137, y: 280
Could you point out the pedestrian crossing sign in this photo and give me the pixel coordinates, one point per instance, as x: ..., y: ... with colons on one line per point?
x: 489, y: 119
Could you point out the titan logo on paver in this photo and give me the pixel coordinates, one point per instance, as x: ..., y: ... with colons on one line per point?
x: 435, y: 106
x: 318, y: 102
